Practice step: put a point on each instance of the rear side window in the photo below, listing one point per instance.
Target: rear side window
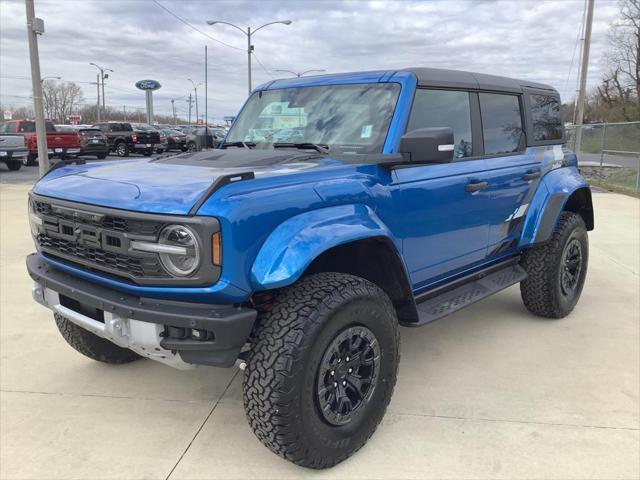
(27, 127)
(501, 123)
(444, 108)
(545, 113)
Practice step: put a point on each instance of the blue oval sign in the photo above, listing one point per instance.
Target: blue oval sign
(148, 84)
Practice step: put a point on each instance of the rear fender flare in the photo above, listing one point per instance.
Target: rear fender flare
(550, 199)
(296, 242)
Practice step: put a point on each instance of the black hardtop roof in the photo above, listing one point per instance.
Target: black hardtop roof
(438, 77)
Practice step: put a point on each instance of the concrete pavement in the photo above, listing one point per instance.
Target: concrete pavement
(490, 392)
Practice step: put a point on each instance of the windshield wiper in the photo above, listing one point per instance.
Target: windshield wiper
(239, 144)
(303, 145)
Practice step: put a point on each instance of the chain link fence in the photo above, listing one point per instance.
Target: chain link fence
(609, 155)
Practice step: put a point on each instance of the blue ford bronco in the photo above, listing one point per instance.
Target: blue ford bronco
(338, 208)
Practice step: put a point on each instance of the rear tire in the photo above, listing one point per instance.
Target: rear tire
(91, 345)
(102, 156)
(192, 147)
(305, 398)
(122, 149)
(14, 165)
(557, 270)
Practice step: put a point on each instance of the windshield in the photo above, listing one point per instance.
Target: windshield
(344, 118)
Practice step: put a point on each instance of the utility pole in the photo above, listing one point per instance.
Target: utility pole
(98, 96)
(35, 27)
(189, 108)
(206, 101)
(195, 89)
(124, 110)
(173, 110)
(583, 74)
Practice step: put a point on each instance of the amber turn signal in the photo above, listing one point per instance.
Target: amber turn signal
(216, 249)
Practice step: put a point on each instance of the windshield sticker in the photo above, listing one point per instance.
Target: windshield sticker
(366, 131)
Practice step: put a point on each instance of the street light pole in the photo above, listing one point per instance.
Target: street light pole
(248, 34)
(102, 77)
(300, 74)
(98, 96)
(35, 26)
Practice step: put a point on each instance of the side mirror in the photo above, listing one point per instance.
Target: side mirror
(428, 145)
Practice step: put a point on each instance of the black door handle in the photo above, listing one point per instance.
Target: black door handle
(531, 175)
(476, 187)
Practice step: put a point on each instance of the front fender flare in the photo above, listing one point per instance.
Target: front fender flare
(549, 201)
(296, 242)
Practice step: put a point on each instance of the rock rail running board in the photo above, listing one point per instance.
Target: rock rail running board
(451, 301)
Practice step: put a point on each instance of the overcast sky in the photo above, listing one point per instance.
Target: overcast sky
(138, 39)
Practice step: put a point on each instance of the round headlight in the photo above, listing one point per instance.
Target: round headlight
(186, 257)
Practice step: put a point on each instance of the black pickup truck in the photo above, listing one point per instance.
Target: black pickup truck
(125, 138)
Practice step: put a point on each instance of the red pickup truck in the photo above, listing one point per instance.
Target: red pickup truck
(59, 144)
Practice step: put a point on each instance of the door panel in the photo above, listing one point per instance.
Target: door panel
(443, 226)
(512, 180)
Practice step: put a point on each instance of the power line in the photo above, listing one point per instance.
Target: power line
(195, 28)
(575, 47)
(263, 67)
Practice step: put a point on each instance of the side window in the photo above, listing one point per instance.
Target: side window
(545, 112)
(27, 127)
(12, 127)
(3, 127)
(114, 127)
(501, 123)
(444, 108)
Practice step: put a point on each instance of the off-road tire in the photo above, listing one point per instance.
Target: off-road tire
(541, 291)
(288, 345)
(91, 345)
(14, 165)
(30, 160)
(192, 147)
(122, 149)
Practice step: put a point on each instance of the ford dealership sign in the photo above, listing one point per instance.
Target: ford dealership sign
(148, 84)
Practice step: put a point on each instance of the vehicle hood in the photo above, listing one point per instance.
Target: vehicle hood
(169, 185)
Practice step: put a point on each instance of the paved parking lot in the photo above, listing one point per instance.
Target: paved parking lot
(491, 392)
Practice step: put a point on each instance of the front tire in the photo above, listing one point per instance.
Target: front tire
(556, 270)
(322, 369)
(91, 345)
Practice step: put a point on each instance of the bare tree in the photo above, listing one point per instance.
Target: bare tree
(623, 81)
(61, 99)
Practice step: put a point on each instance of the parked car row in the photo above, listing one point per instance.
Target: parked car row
(19, 144)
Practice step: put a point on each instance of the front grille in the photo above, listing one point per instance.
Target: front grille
(118, 224)
(148, 267)
(99, 239)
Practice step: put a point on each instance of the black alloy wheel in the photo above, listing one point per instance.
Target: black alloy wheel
(571, 267)
(347, 374)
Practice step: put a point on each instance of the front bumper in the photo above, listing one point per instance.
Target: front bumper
(158, 329)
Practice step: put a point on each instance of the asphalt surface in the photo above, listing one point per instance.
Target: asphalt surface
(489, 392)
